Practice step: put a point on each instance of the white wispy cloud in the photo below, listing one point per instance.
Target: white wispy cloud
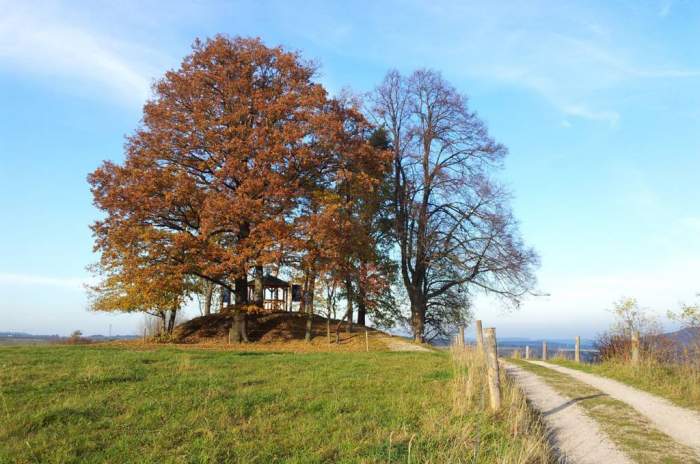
(576, 66)
(42, 41)
(579, 110)
(569, 53)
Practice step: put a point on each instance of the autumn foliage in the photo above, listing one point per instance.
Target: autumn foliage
(241, 161)
(243, 164)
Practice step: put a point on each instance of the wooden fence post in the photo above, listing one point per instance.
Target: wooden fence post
(479, 337)
(577, 353)
(544, 350)
(635, 347)
(527, 351)
(144, 334)
(491, 348)
(367, 340)
(460, 341)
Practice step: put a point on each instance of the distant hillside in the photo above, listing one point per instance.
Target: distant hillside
(684, 336)
(521, 342)
(23, 337)
(27, 336)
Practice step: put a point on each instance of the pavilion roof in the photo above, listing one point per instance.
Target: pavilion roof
(270, 281)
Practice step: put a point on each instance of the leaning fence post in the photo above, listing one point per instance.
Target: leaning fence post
(492, 368)
(479, 337)
(544, 350)
(460, 341)
(577, 353)
(527, 351)
(635, 347)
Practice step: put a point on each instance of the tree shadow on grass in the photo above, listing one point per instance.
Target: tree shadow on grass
(258, 353)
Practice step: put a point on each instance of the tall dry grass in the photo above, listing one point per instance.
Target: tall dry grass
(524, 437)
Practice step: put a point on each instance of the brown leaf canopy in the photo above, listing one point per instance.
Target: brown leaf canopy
(241, 159)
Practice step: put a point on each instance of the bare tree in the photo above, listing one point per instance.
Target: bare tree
(453, 228)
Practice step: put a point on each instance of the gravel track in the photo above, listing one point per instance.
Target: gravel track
(683, 425)
(577, 438)
(398, 344)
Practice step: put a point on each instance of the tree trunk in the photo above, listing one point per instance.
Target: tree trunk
(235, 335)
(304, 285)
(241, 286)
(309, 327)
(208, 294)
(171, 321)
(243, 326)
(418, 321)
(361, 307)
(330, 308)
(162, 326)
(259, 289)
(349, 296)
(337, 328)
(309, 298)
(242, 280)
(240, 330)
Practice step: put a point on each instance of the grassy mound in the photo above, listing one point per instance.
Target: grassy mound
(278, 330)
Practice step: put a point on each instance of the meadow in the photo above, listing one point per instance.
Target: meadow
(62, 404)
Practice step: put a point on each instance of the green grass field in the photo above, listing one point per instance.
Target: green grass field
(61, 404)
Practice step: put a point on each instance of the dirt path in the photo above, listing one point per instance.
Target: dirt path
(577, 437)
(399, 344)
(679, 423)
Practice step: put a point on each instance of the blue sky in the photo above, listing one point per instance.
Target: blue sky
(598, 102)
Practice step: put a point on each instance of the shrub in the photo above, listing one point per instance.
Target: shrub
(76, 338)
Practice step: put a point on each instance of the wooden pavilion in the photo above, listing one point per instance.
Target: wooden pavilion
(277, 293)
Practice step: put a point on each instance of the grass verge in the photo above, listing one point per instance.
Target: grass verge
(625, 427)
(525, 440)
(62, 404)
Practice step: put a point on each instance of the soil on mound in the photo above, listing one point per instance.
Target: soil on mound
(270, 328)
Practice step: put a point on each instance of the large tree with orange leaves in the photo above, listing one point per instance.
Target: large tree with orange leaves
(331, 237)
(239, 147)
(130, 285)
